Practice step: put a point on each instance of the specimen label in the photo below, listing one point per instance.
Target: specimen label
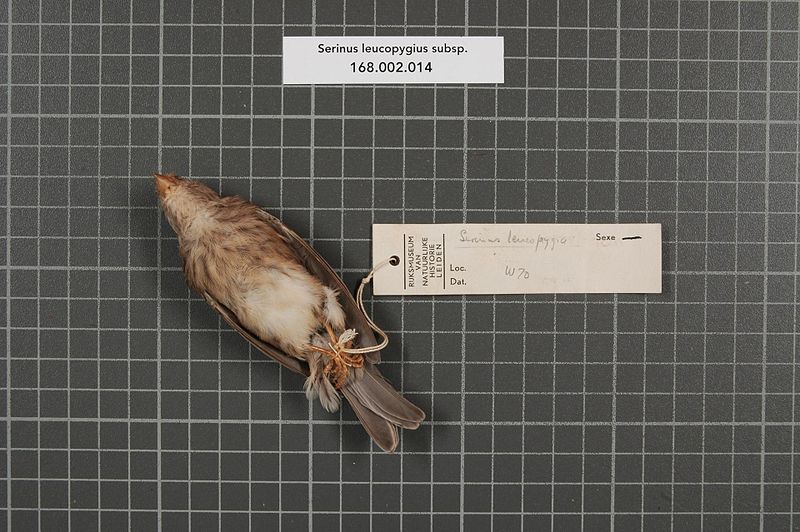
(372, 60)
(516, 258)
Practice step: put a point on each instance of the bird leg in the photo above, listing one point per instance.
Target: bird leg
(352, 360)
(338, 367)
(328, 328)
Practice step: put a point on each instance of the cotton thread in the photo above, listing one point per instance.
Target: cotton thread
(360, 302)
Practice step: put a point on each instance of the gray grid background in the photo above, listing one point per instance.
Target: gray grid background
(127, 403)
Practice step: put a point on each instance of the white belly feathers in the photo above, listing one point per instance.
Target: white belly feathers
(282, 306)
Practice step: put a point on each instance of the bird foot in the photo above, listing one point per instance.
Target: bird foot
(338, 367)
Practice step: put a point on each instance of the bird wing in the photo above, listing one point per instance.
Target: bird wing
(319, 267)
(294, 364)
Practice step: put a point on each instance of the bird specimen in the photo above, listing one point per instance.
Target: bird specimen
(283, 297)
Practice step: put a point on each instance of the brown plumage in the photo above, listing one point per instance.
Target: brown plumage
(282, 296)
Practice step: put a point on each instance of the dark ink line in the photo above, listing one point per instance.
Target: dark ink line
(631, 238)
(405, 251)
(444, 263)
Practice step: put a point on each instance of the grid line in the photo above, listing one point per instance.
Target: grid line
(555, 311)
(159, 286)
(644, 318)
(128, 275)
(765, 318)
(97, 277)
(250, 349)
(675, 342)
(615, 314)
(794, 317)
(9, 33)
(464, 203)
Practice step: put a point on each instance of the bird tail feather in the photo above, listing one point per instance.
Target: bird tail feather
(381, 408)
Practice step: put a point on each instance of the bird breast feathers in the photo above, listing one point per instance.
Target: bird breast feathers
(270, 293)
(282, 305)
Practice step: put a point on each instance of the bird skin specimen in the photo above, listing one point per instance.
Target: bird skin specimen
(273, 288)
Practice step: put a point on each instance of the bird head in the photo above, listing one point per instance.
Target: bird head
(184, 201)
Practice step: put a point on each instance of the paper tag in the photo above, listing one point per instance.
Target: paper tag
(517, 258)
(369, 60)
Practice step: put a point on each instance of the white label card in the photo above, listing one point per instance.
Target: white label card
(516, 258)
(372, 60)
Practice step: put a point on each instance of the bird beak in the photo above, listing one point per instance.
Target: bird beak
(164, 183)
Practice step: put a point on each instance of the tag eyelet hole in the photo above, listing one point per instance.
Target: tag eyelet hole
(394, 260)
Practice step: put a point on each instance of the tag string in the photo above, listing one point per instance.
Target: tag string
(360, 302)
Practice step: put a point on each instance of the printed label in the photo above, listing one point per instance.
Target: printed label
(516, 258)
(373, 60)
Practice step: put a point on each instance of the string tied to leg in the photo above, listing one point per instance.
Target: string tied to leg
(341, 352)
